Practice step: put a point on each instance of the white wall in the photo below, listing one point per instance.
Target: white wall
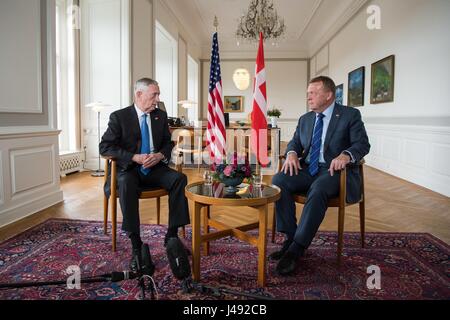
(410, 136)
(166, 68)
(286, 89)
(193, 88)
(142, 39)
(29, 155)
(187, 44)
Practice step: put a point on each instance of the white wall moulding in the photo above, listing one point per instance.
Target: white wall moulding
(20, 36)
(33, 205)
(29, 175)
(418, 154)
(24, 176)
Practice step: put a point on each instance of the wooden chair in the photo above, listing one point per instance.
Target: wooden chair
(185, 145)
(149, 193)
(337, 202)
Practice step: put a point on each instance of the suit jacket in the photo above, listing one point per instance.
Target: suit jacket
(345, 132)
(122, 139)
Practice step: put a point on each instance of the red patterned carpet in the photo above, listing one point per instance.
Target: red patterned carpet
(413, 266)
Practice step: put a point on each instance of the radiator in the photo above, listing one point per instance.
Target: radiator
(71, 161)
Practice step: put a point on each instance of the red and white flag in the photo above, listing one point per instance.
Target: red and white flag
(215, 134)
(259, 112)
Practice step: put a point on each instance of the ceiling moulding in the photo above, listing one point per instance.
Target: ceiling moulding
(193, 31)
(251, 56)
(336, 27)
(309, 19)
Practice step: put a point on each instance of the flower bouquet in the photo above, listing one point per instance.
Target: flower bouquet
(232, 171)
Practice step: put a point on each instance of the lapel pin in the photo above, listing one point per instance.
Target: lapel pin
(156, 118)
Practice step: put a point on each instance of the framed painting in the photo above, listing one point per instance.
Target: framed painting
(382, 80)
(233, 104)
(355, 93)
(340, 94)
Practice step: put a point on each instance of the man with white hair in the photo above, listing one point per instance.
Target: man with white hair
(138, 137)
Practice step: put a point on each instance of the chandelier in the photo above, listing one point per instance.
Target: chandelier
(261, 17)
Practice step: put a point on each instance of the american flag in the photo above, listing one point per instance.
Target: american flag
(259, 112)
(216, 134)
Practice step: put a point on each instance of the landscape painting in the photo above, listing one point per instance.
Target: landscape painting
(382, 81)
(340, 94)
(355, 92)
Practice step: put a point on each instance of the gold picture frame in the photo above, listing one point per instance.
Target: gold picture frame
(382, 80)
(233, 104)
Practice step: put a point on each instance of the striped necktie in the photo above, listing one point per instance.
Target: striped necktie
(145, 141)
(315, 146)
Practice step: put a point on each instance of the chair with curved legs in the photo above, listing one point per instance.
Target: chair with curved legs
(149, 193)
(336, 202)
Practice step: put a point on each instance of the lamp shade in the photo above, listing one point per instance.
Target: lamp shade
(98, 106)
(241, 78)
(187, 103)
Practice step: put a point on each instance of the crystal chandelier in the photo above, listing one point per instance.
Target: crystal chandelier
(261, 17)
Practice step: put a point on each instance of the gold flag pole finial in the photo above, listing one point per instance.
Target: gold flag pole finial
(216, 22)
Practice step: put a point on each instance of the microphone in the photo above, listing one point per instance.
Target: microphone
(178, 259)
(148, 268)
(117, 276)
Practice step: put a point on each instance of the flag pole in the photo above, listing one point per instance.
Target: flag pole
(216, 22)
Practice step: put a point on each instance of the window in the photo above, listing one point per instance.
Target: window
(65, 75)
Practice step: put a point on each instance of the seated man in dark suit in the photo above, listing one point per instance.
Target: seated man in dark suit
(138, 137)
(325, 141)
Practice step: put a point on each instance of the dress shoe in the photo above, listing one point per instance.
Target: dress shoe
(278, 254)
(287, 263)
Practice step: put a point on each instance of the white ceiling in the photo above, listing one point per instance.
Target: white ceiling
(309, 24)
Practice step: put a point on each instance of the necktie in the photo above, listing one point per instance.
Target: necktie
(315, 146)
(145, 141)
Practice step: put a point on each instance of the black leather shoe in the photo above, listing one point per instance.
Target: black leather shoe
(278, 254)
(287, 263)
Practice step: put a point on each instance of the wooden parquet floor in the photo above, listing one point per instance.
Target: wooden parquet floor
(392, 205)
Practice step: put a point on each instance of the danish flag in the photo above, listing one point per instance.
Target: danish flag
(259, 112)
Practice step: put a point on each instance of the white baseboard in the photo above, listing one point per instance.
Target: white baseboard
(418, 154)
(28, 208)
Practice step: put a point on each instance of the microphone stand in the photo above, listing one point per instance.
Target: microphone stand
(109, 277)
